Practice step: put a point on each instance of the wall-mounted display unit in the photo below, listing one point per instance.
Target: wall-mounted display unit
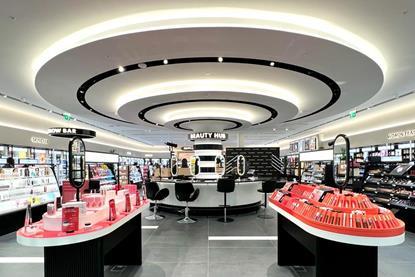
(22, 185)
(304, 145)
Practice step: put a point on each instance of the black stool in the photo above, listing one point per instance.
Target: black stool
(186, 192)
(226, 186)
(156, 194)
(267, 187)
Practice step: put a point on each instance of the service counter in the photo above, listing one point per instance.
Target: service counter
(245, 198)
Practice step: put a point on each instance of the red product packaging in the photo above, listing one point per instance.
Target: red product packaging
(112, 211)
(127, 202)
(137, 199)
(70, 219)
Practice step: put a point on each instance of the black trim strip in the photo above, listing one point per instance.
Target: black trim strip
(207, 169)
(178, 124)
(142, 113)
(207, 158)
(335, 89)
(208, 147)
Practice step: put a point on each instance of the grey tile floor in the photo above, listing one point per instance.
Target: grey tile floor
(184, 250)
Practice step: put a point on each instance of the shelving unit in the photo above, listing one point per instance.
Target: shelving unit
(20, 186)
(394, 190)
(313, 172)
(123, 173)
(103, 173)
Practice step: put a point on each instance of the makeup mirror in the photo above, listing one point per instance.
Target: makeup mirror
(174, 168)
(341, 165)
(220, 165)
(77, 164)
(194, 165)
(240, 165)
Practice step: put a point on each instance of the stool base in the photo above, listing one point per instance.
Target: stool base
(228, 219)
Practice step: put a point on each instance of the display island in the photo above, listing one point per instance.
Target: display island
(338, 232)
(82, 237)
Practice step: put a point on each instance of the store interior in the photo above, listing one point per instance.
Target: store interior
(218, 138)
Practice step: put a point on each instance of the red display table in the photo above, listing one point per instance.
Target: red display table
(86, 251)
(339, 233)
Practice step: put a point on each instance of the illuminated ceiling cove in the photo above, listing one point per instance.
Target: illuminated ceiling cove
(152, 72)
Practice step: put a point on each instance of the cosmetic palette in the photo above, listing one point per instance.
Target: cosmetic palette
(344, 212)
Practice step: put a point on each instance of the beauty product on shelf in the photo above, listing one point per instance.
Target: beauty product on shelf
(28, 216)
(127, 203)
(112, 211)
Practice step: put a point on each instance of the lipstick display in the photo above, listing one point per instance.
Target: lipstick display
(344, 212)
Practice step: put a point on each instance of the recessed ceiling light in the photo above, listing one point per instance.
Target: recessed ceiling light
(81, 91)
(286, 129)
(271, 63)
(50, 111)
(274, 129)
(142, 65)
(5, 96)
(220, 59)
(165, 61)
(121, 69)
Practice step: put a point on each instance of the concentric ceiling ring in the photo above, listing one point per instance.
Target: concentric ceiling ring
(273, 112)
(335, 89)
(236, 126)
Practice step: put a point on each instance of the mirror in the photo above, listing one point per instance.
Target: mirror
(77, 164)
(220, 165)
(174, 166)
(341, 165)
(194, 165)
(240, 165)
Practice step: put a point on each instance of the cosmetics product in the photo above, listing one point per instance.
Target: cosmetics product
(112, 211)
(70, 219)
(127, 202)
(137, 199)
(28, 216)
(144, 192)
(50, 209)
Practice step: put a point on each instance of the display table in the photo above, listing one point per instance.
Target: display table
(86, 251)
(335, 248)
(245, 197)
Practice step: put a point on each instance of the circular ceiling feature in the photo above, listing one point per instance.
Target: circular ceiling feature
(187, 124)
(83, 89)
(218, 110)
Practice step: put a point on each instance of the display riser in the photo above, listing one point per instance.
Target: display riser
(13, 221)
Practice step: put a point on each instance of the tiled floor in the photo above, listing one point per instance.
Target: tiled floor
(184, 250)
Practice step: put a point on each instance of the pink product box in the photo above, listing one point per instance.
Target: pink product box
(132, 189)
(93, 200)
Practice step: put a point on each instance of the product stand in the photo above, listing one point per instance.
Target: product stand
(87, 259)
(331, 258)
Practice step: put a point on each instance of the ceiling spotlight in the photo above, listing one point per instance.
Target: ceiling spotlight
(165, 61)
(271, 63)
(50, 111)
(121, 69)
(142, 65)
(81, 91)
(274, 129)
(220, 59)
(286, 129)
(5, 96)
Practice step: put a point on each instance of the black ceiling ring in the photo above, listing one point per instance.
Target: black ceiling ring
(335, 89)
(237, 124)
(274, 113)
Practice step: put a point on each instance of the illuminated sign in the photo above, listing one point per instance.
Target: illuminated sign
(71, 132)
(39, 140)
(208, 135)
(401, 134)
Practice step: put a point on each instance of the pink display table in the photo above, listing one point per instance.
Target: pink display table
(86, 251)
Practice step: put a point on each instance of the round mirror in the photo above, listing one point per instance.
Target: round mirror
(174, 166)
(194, 165)
(341, 147)
(220, 165)
(77, 164)
(240, 165)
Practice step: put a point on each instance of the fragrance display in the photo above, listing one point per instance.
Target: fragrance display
(22, 185)
(102, 173)
(329, 209)
(135, 174)
(292, 165)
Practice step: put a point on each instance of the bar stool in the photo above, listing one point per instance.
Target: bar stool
(267, 187)
(156, 194)
(186, 192)
(225, 186)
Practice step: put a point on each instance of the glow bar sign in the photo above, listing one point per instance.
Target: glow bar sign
(208, 135)
(401, 134)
